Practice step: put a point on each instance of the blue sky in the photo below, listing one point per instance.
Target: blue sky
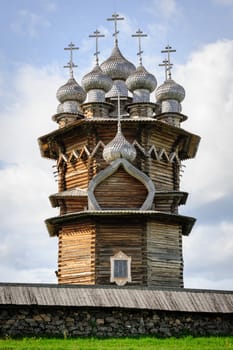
(33, 35)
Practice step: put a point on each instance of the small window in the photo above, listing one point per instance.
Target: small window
(120, 268)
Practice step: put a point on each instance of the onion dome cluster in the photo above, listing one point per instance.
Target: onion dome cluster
(96, 84)
(141, 84)
(118, 68)
(119, 147)
(70, 96)
(170, 95)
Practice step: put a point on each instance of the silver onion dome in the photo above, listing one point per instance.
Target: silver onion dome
(119, 147)
(96, 79)
(117, 66)
(71, 91)
(141, 79)
(170, 90)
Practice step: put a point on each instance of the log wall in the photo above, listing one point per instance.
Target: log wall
(73, 205)
(120, 191)
(164, 205)
(76, 259)
(123, 235)
(164, 255)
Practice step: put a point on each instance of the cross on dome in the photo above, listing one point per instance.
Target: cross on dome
(168, 67)
(115, 17)
(96, 35)
(139, 34)
(71, 64)
(168, 49)
(118, 113)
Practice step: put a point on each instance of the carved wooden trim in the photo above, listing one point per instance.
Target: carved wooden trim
(131, 170)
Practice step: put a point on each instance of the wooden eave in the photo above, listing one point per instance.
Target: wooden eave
(180, 196)
(128, 297)
(69, 194)
(190, 142)
(54, 224)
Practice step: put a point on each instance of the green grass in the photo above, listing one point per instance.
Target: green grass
(148, 343)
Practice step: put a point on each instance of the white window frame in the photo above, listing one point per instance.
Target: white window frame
(120, 281)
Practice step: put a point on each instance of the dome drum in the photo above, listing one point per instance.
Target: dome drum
(171, 106)
(97, 109)
(70, 107)
(64, 119)
(142, 110)
(173, 119)
(119, 88)
(141, 95)
(60, 108)
(125, 101)
(96, 95)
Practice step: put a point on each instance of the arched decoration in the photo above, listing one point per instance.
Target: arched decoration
(111, 169)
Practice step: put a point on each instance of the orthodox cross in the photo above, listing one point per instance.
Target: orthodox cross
(71, 64)
(139, 34)
(96, 35)
(168, 67)
(118, 99)
(168, 50)
(115, 17)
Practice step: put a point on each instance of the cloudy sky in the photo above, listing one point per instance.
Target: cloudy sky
(33, 35)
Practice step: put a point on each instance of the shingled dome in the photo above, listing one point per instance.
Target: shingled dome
(119, 147)
(96, 79)
(170, 90)
(141, 79)
(71, 91)
(117, 66)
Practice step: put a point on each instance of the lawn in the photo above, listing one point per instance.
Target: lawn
(149, 343)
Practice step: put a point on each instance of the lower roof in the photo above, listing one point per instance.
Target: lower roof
(182, 300)
(55, 223)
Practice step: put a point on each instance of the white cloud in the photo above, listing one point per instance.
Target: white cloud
(208, 80)
(208, 253)
(27, 253)
(27, 275)
(29, 23)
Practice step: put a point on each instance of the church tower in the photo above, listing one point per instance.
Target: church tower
(118, 159)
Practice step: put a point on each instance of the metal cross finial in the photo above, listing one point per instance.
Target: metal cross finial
(168, 50)
(118, 113)
(168, 67)
(139, 34)
(96, 35)
(71, 64)
(115, 17)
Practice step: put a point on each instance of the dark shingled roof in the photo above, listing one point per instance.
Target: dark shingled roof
(186, 300)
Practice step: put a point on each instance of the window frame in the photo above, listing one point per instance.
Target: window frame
(120, 281)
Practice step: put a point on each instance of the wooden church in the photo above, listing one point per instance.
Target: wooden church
(118, 157)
